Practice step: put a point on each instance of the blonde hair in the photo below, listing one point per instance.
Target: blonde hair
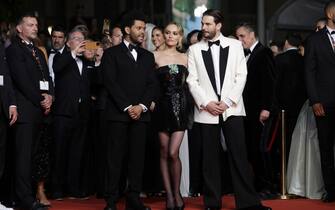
(180, 31)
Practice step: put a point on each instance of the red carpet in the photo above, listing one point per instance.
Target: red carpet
(195, 204)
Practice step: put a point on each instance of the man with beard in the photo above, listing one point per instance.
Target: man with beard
(217, 74)
(33, 88)
(320, 83)
(128, 73)
(58, 41)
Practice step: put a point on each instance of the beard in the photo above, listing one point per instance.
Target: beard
(208, 34)
(136, 39)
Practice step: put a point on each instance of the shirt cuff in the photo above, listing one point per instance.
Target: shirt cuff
(126, 109)
(145, 109)
(12, 106)
(228, 102)
(203, 105)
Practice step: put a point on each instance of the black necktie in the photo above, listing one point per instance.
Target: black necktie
(217, 42)
(132, 47)
(247, 52)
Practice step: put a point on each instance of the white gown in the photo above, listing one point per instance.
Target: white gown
(304, 176)
(185, 173)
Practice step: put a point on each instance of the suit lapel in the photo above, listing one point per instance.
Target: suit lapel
(207, 57)
(27, 51)
(127, 52)
(253, 53)
(223, 63)
(327, 42)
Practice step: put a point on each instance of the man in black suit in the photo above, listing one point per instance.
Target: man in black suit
(58, 40)
(257, 95)
(290, 84)
(8, 108)
(320, 83)
(71, 114)
(128, 76)
(33, 90)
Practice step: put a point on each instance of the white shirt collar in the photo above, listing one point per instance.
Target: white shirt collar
(253, 46)
(61, 50)
(126, 43)
(330, 29)
(291, 48)
(27, 42)
(218, 38)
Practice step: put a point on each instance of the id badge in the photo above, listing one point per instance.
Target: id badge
(44, 85)
(1, 80)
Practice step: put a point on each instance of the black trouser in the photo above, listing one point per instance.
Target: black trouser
(26, 141)
(233, 131)
(125, 141)
(152, 178)
(70, 136)
(195, 158)
(100, 153)
(326, 135)
(3, 139)
(254, 129)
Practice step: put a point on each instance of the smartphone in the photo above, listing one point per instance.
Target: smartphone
(91, 45)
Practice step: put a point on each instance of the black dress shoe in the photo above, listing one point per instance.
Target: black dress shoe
(134, 203)
(212, 208)
(38, 206)
(79, 196)
(328, 198)
(58, 196)
(110, 208)
(257, 207)
(138, 208)
(180, 207)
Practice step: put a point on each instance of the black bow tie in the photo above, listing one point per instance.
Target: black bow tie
(333, 32)
(132, 47)
(247, 52)
(217, 42)
(52, 51)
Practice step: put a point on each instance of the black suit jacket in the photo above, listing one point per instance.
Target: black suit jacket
(259, 89)
(320, 69)
(26, 75)
(128, 82)
(7, 95)
(70, 86)
(290, 83)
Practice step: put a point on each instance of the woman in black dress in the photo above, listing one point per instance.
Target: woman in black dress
(172, 110)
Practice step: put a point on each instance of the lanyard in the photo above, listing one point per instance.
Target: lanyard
(37, 59)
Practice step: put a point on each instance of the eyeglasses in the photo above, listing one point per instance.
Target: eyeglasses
(79, 39)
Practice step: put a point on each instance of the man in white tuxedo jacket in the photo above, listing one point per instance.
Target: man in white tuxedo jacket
(217, 75)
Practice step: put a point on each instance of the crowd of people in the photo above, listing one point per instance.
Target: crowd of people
(95, 117)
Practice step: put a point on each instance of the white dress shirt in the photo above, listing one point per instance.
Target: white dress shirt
(215, 50)
(133, 52)
(251, 49)
(331, 36)
(50, 63)
(79, 62)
